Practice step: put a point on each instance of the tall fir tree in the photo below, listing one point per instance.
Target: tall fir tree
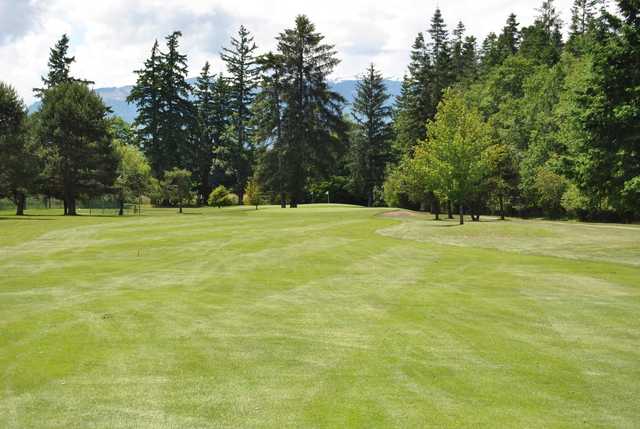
(268, 124)
(202, 140)
(59, 67)
(414, 105)
(177, 110)
(312, 117)
(370, 148)
(542, 41)
(243, 78)
(509, 39)
(146, 95)
(165, 113)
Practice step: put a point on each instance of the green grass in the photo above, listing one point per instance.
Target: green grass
(324, 316)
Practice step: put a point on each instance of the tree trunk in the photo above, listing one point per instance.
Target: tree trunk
(66, 211)
(435, 207)
(449, 210)
(121, 211)
(461, 214)
(501, 207)
(71, 206)
(21, 203)
(370, 198)
(180, 205)
(283, 201)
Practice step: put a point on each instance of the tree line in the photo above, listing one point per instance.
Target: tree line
(523, 123)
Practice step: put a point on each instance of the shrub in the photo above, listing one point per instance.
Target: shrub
(220, 197)
(574, 202)
(549, 187)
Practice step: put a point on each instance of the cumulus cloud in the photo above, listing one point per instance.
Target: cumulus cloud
(111, 39)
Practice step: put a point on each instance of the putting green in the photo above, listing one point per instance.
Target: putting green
(322, 316)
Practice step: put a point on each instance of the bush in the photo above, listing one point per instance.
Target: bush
(575, 204)
(220, 197)
(549, 187)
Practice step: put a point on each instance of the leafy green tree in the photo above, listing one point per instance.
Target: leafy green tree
(243, 77)
(19, 160)
(550, 187)
(74, 130)
(133, 173)
(453, 157)
(253, 193)
(177, 185)
(370, 148)
(59, 67)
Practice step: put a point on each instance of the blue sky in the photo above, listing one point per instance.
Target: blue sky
(111, 38)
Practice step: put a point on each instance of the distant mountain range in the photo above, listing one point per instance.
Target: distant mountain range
(116, 97)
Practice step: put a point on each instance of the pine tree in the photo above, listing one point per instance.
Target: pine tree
(509, 39)
(371, 149)
(165, 112)
(583, 22)
(312, 118)
(243, 81)
(268, 124)
(542, 42)
(146, 95)
(59, 67)
(414, 105)
(202, 141)
(176, 108)
(457, 54)
(491, 55)
(443, 75)
(74, 129)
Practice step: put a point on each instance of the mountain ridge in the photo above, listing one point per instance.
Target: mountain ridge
(116, 96)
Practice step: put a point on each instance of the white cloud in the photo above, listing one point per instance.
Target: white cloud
(112, 38)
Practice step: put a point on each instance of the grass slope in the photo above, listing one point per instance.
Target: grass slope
(317, 317)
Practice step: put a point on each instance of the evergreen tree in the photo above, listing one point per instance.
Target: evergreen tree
(74, 129)
(268, 124)
(370, 150)
(165, 112)
(59, 67)
(583, 21)
(509, 39)
(243, 81)
(458, 59)
(146, 95)
(414, 105)
(204, 131)
(443, 72)
(608, 162)
(177, 110)
(542, 42)
(312, 117)
(491, 55)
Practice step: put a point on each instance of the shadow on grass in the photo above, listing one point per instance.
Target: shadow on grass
(27, 217)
